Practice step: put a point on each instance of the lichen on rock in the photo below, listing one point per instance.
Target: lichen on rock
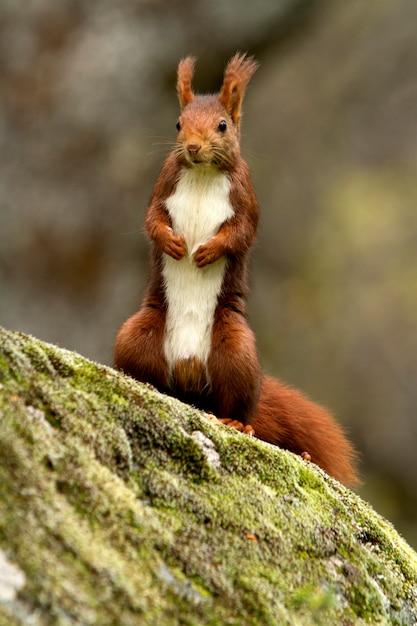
(119, 505)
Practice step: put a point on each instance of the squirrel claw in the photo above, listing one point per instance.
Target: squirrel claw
(246, 430)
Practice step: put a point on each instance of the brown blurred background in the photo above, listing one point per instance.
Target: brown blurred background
(87, 111)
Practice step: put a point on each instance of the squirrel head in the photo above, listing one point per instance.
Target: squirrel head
(209, 126)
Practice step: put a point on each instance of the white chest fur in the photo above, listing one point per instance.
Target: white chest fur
(198, 207)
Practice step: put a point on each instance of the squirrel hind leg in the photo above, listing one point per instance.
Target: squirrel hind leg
(286, 418)
(138, 350)
(233, 368)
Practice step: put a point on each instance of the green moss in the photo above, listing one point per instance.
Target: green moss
(118, 512)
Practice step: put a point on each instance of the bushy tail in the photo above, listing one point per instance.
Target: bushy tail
(286, 418)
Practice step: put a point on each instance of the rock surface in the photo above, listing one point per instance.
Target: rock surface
(121, 506)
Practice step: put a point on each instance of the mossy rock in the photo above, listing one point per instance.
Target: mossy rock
(119, 505)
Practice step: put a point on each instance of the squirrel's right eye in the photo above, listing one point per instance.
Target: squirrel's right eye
(178, 126)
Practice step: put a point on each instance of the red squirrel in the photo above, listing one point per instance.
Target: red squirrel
(191, 338)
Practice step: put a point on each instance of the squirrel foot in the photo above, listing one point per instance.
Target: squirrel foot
(246, 430)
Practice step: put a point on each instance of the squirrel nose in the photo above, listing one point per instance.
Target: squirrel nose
(193, 148)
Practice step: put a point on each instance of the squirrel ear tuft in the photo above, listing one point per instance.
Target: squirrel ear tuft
(237, 74)
(184, 77)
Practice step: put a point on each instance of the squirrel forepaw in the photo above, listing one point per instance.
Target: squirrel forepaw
(174, 245)
(208, 253)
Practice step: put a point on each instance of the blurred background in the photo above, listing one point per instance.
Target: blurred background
(87, 113)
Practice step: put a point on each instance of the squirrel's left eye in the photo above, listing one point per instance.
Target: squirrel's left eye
(222, 126)
(178, 126)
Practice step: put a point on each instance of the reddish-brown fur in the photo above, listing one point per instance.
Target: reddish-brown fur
(231, 384)
(288, 419)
